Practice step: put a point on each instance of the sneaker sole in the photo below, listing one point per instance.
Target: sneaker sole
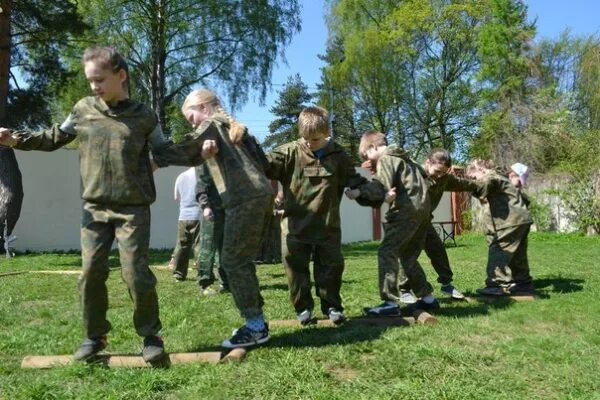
(368, 313)
(228, 345)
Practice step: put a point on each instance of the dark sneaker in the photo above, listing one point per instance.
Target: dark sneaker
(451, 291)
(246, 337)
(89, 348)
(305, 317)
(154, 349)
(491, 291)
(336, 316)
(521, 289)
(383, 310)
(421, 305)
(407, 297)
(223, 289)
(178, 277)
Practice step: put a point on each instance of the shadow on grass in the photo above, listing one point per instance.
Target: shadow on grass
(559, 284)
(475, 308)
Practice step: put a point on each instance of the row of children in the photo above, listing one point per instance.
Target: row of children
(115, 134)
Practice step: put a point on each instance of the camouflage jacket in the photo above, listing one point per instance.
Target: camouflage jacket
(450, 183)
(506, 207)
(237, 169)
(114, 149)
(312, 187)
(396, 169)
(206, 191)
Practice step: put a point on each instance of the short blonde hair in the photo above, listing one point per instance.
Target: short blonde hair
(479, 165)
(371, 138)
(207, 97)
(313, 121)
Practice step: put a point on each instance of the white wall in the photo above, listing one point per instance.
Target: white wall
(51, 213)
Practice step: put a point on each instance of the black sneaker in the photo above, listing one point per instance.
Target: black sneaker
(336, 316)
(383, 310)
(246, 337)
(89, 348)
(154, 349)
(526, 289)
(421, 305)
(178, 277)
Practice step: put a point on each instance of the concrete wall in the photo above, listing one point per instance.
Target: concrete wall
(51, 213)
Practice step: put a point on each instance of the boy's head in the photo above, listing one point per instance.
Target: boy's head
(372, 144)
(438, 163)
(313, 127)
(478, 168)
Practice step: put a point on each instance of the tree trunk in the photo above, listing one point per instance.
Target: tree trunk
(11, 184)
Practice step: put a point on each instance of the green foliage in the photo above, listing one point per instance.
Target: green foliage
(541, 214)
(40, 31)
(293, 98)
(582, 198)
(474, 346)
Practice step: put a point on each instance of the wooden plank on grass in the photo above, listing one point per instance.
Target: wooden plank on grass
(13, 273)
(116, 361)
(58, 272)
(489, 299)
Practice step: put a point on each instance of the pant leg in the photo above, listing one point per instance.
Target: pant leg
(97, 235)
(296, 256)
(503, 245)
(328, 270)
(133, 237)
(395, 237)
(219, 226)
(436, 251)
(187, 232)
(243, 233)
(519, 264)
(409, 256)
(207, 253)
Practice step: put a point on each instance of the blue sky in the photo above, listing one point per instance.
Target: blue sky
(553, 16)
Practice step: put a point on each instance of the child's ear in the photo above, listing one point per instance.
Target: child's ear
(122, 75)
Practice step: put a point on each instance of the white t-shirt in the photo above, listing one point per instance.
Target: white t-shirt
(185, 193)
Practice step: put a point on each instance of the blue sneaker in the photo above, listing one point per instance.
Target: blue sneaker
(385, 309)
(246, 337)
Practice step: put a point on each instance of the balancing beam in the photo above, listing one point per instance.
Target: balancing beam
(116, 361)
(419, 317)
(490, 299)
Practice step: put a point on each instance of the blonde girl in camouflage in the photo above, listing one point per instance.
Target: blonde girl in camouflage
(238, 173)
(507, 222)
(115, 134)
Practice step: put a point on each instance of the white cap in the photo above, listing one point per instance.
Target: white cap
(522, 171)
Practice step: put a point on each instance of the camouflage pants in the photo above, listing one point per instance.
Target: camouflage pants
(436, 251)
(131, 227)
(402, 243)
(187, 240)
(507, 257)
(242, 236)
(209, 250)
(270, 253)
(328, 269)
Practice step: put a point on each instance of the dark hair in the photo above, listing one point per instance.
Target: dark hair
(440, 156)
(108, 58)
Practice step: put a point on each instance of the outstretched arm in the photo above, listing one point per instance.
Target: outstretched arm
(46, 140)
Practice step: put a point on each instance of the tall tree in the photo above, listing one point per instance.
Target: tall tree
(173, 45)
(31, 34)
(293, 97)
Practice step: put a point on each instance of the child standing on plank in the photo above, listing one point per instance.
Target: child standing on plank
(313, 171)
(115, 134)
(507, 222)
(238, 173)
(188, 224)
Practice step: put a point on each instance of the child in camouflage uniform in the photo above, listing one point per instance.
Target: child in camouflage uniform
(507, 226)
(115, 134)
(238, 173)
(211, 233)
(313, 171)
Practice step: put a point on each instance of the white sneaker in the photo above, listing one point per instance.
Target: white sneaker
(336, 316)
(407, 297)
(305, 317)
(451, 291)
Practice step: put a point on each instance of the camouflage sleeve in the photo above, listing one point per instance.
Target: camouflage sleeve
(352, 178)
(372, 194)
(47, 140)
(526, 199)
(186, 153)
(486, 187)
(277, 163)
(455, 184)
(203, 181)
(256, 152)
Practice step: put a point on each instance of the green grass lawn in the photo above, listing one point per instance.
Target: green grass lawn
(545, 349)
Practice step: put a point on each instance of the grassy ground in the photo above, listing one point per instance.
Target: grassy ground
(546, 349)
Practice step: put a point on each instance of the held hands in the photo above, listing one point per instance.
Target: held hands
(6, 138)
(209, 148)
(370, 165)
(208, 214)
(352, 194)
(390, 196)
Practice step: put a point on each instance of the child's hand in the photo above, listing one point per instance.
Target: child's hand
(209, 148)
(6, 138)
(352, 194)
(208, 214)
(390, 196)
(370, 165)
